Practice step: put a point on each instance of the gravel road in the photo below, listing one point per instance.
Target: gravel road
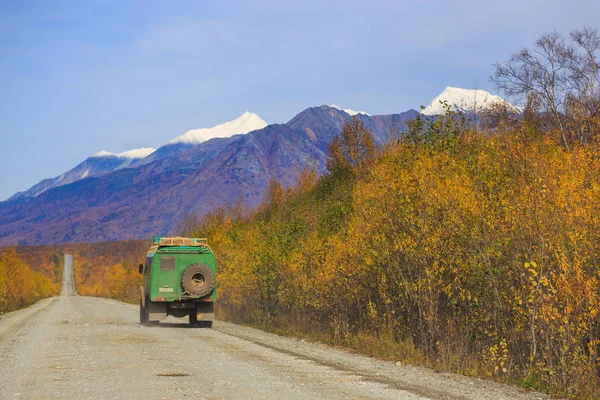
(73, 347)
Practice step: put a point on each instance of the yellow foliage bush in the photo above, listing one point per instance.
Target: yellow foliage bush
(478, 250)
(19, 285)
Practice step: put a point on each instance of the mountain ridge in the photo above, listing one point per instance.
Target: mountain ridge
(457, 98)
(95, 165)
(104, 162)
(153, 198)
(245, 123)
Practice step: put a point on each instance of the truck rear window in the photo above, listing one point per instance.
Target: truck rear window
(167, 263)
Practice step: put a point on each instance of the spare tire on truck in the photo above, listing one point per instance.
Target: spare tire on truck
(198, 280)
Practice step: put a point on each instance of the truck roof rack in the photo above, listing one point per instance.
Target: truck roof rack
(180, 241)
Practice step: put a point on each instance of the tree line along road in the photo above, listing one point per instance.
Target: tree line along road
(74, 347)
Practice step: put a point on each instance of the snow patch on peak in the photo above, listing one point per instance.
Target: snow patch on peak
(468, 100)
(131, 154)
(349, 111)
(103, 153)
(247, 122)
(137, 153)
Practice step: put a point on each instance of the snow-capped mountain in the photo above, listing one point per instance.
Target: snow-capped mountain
(466, 100)
(153, 198)
(99, 164)
(245, 123)
(349, 110)
(104, 162)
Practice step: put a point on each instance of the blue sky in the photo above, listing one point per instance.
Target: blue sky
(80, 76)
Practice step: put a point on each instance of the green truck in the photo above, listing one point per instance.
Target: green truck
(179, 280)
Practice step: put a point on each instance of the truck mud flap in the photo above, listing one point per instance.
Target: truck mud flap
(157, 312)
(205, 311)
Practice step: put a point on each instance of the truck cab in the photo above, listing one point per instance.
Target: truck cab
(179, 280)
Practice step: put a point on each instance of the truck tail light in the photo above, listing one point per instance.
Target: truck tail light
(160, 299)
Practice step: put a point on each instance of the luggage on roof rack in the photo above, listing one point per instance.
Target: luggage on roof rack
(180, 241)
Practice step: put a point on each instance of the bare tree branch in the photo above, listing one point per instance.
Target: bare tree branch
(563, 76)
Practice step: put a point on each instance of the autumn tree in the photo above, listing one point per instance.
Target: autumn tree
(562, 77)
(438, 132)
(352, 151)
(306, 181)
(273, 197)
(19, 285)
(188, 224)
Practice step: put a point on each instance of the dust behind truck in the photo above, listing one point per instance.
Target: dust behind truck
(179, 280)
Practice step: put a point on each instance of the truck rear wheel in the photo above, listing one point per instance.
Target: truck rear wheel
(205, 324)
(143, 315)
(199, 324)
(198, 279)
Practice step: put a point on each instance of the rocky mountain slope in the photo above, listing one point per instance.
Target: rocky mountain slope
(152, 198)
(104, 162)
(247, 122)
(99, 164)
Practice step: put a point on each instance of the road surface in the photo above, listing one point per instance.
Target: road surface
(73, 347)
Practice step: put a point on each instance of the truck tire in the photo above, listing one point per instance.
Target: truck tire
(199, 324)
(205, 324)
(143, 315)
(198, 279)
(193, 319)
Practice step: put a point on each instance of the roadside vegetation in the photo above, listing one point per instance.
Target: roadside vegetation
(107, 269)
(467, 247)
(21, 286)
